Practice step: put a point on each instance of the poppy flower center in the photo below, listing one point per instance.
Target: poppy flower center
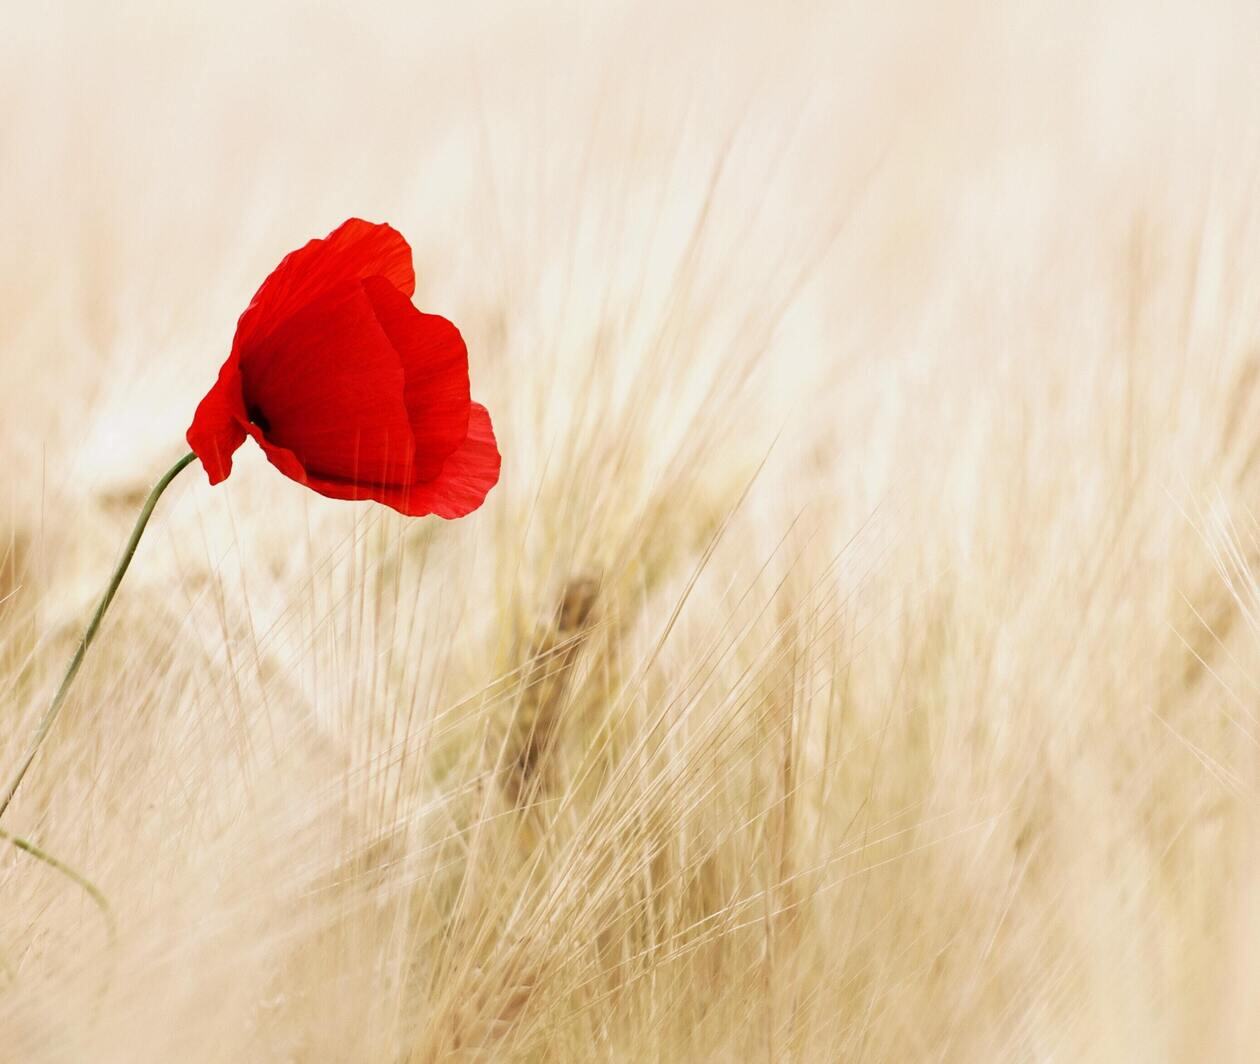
(257, 417)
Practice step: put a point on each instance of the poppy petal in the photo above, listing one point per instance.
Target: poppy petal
(328, 388)
(466, 478)
(353, 251)
(282, 458)
(462, 487)
(216, 431)
(435, 363)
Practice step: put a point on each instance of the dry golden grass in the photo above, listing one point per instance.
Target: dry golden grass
(858, 660)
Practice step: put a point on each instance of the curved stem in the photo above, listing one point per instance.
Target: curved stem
(91, 889)
(129, 551)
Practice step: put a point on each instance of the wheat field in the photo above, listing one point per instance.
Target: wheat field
(858, 659)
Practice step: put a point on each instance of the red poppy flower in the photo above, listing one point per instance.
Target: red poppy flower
(347, 387)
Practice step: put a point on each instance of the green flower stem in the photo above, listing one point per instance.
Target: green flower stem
(50, 715)
(89, 888)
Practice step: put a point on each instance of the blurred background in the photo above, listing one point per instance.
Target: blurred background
(858, 658)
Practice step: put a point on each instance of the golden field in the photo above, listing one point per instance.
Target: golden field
(858, 660)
